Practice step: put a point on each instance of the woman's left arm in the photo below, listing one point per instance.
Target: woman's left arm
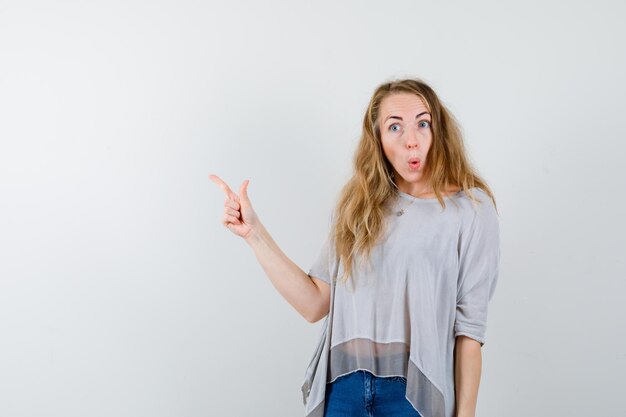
(479, 266)
(467, 367)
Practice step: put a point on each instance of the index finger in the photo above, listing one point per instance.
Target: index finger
(223, 186)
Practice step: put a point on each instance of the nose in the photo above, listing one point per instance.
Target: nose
(411, 139)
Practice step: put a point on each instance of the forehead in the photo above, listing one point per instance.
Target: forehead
(402, 103)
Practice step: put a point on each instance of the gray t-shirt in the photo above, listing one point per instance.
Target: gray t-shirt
(432, 276)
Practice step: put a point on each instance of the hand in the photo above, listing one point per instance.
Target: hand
(239, 216)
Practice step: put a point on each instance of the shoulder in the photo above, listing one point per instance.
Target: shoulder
(477, 207)
(475, 197)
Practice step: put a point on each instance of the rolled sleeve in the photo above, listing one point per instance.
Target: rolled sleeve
(479, 266)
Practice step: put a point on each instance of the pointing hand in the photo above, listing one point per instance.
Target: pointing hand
(239, 216)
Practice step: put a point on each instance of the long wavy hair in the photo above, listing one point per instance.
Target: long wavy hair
(361, 209)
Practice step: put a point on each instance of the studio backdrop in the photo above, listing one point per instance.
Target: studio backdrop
(121, 292)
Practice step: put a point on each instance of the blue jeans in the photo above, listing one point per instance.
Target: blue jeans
(363, 394)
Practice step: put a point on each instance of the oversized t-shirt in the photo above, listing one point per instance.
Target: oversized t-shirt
(431, 277)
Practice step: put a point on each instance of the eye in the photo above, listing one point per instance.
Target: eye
(424, 123)
(391, 127)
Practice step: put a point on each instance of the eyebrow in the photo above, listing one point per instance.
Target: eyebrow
(400, 118)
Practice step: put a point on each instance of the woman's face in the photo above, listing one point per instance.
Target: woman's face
(406, 136)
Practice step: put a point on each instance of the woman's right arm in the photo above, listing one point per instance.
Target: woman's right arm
(308, 295)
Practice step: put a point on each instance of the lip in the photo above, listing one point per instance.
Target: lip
(414, 167)
(414, 159)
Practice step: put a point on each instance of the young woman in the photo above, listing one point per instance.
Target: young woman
(406, 273)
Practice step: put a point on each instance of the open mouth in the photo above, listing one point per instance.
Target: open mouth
(414, 162)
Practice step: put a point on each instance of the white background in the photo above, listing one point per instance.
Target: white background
(121, 293)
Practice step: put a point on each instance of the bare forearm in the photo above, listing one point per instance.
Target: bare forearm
(467, 369)
(287, 277)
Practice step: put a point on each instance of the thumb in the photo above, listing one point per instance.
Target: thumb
(243, 191)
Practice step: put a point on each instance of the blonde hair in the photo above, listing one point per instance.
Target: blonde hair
(359, 215)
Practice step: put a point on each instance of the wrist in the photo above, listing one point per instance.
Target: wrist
(256, 235)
